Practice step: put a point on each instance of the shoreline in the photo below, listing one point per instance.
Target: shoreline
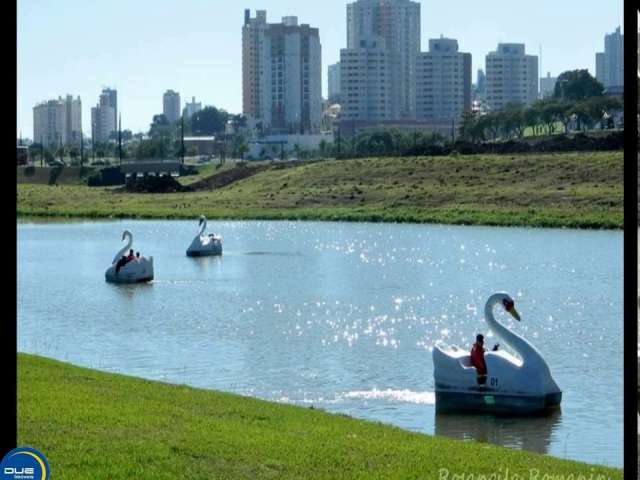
(61, 218)
(179, 427)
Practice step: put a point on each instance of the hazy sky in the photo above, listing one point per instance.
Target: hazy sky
(145, 47)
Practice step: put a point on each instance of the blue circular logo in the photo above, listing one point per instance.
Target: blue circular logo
(24, 463)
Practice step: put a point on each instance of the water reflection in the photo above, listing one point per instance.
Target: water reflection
(128, 291)
(203, 264)
(534, 434)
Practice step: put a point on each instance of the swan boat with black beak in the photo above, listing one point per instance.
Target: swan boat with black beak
(520, 385)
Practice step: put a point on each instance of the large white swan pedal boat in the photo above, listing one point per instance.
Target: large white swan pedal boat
(204, 245)
(139, 270)
(514, 386)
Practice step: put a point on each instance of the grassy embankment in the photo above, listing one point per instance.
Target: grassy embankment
(582, 190)
(95, 425)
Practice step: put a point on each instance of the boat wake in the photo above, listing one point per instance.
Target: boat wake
(404, 396)
(388, 395)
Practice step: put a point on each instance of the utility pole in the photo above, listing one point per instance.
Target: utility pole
(182, 139)
(41, 153)
(339, 141)
(81, 148)
(120, 138)
(453, 130)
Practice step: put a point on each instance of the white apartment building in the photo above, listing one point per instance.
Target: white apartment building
(57, 122)
(610, 63)
(365, 81)
(334, 83)
(191, 108)
(171, 105)
(512, 76)
(281, 75)
(547, 85)
(397, 23)
(443, 81)
(103, 118)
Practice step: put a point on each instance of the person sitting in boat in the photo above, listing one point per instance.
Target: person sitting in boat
(138, 256)
(131, 256)
(477, 358)
(121, 263)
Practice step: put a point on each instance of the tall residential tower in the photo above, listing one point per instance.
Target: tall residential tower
(610, 63)
(58, 122)
(171, 105)
(443, 81)
(281, 74)
(512, 76)
(396, 26)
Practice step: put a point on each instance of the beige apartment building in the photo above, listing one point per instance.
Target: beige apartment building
(443, 81)
(281, 75)
(58, 122)
(512, 76)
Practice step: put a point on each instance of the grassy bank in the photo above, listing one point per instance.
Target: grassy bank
(95, 425)
(581, 190)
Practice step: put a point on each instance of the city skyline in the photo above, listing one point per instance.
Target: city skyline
(200, 55)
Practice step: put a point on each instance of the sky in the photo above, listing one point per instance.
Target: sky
(146, 47)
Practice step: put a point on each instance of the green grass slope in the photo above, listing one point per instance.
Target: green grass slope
(93, 425)
(582, 190)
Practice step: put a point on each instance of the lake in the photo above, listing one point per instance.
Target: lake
(341, 316)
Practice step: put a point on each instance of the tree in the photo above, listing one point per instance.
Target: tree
(61, 152)
(323, 147)
(512, 120)
(597, 107)
(532, 117)
(577, 85)
(467, 126)
(160, 127)
(208, 121)
(242, 149)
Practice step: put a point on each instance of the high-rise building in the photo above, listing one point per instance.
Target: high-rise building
(281, 74)
(481, 85)
(397, 24)
(600, 67)
(171, 105)
(334, 83)
(73, 120)
(58, 122)
(191, 108)
(111, 95)
(104, 117)
(512, 76)
(547, 85)
(365, 77)
(610, 63)
(443, 83)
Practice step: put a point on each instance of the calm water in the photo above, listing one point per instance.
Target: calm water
(339, 316)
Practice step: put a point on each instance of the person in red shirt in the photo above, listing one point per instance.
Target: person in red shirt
(131, 256)
(477, 359)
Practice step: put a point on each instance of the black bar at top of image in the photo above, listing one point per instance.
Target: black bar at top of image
(631, 224)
